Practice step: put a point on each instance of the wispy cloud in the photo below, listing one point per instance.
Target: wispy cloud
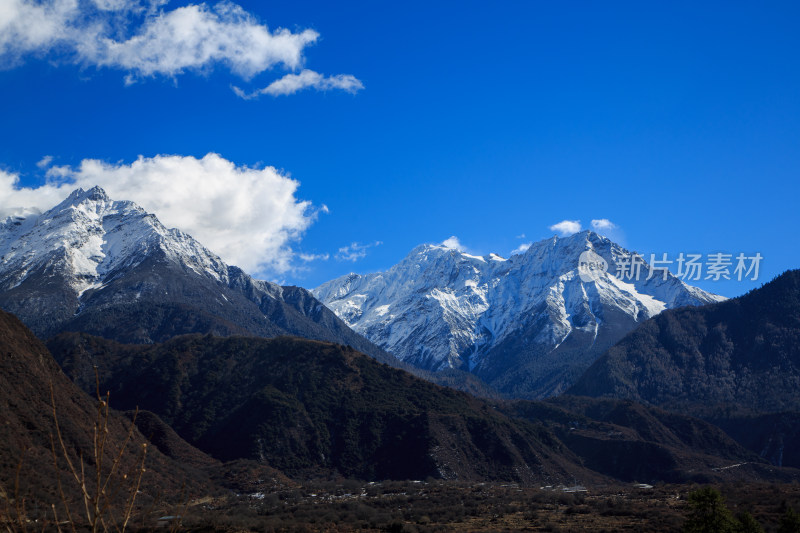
(143, 39)
(567, 227)
(249, 216)
(292, 83)
(521, 249)
(354, 251)
(454, 243)
(307, 258)
(610, 230)
(601, 224)
(45, 162)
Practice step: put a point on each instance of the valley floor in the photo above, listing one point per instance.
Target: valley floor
(416, 506)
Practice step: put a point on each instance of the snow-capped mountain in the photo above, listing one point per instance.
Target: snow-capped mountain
(528, 325)
(88, 238)
(108, 267)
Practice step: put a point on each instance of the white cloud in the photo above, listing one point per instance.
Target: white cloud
(521, 249)
(241, 94)
(313, 257)
(354, 251)
(249, 216)
(22, 201)
(567, 227)
(608, 229)
(601, 224)
(454, 243)
(117, 5)
(45, 162)
(196, 37)
(27, 26)
(143, 39)
(292, 83)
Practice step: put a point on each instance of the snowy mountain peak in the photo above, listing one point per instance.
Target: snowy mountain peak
(94, 200)
(441, 308)
(95, 194)
(88, 236)
(107, 267)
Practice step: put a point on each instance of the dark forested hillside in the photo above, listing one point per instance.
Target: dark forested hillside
(308, 407)
(313, 408)
(744, 352)
(27, 372)
(630, 441)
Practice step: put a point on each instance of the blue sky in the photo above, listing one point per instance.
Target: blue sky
(679, 122)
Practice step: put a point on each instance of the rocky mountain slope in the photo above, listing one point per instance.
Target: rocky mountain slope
(743, 352)
(630, 441)
(310, 408)
(735, 364)
(110, 268)
(27, 373)
(528, 325)
(313, 408)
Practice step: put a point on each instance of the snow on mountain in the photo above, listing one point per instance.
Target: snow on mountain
(88, 237)
(109, 268)
(442, 308)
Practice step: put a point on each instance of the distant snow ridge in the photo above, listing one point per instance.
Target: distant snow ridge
(529, 318)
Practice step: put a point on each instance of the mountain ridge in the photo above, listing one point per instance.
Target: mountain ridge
(742, 352)
(527, 325)
(312, 408)
(309, 408)
(108, 267)
(735, 364)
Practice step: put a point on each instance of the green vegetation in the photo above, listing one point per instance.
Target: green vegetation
(709, 513)
(748, 524)
(790, 522)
